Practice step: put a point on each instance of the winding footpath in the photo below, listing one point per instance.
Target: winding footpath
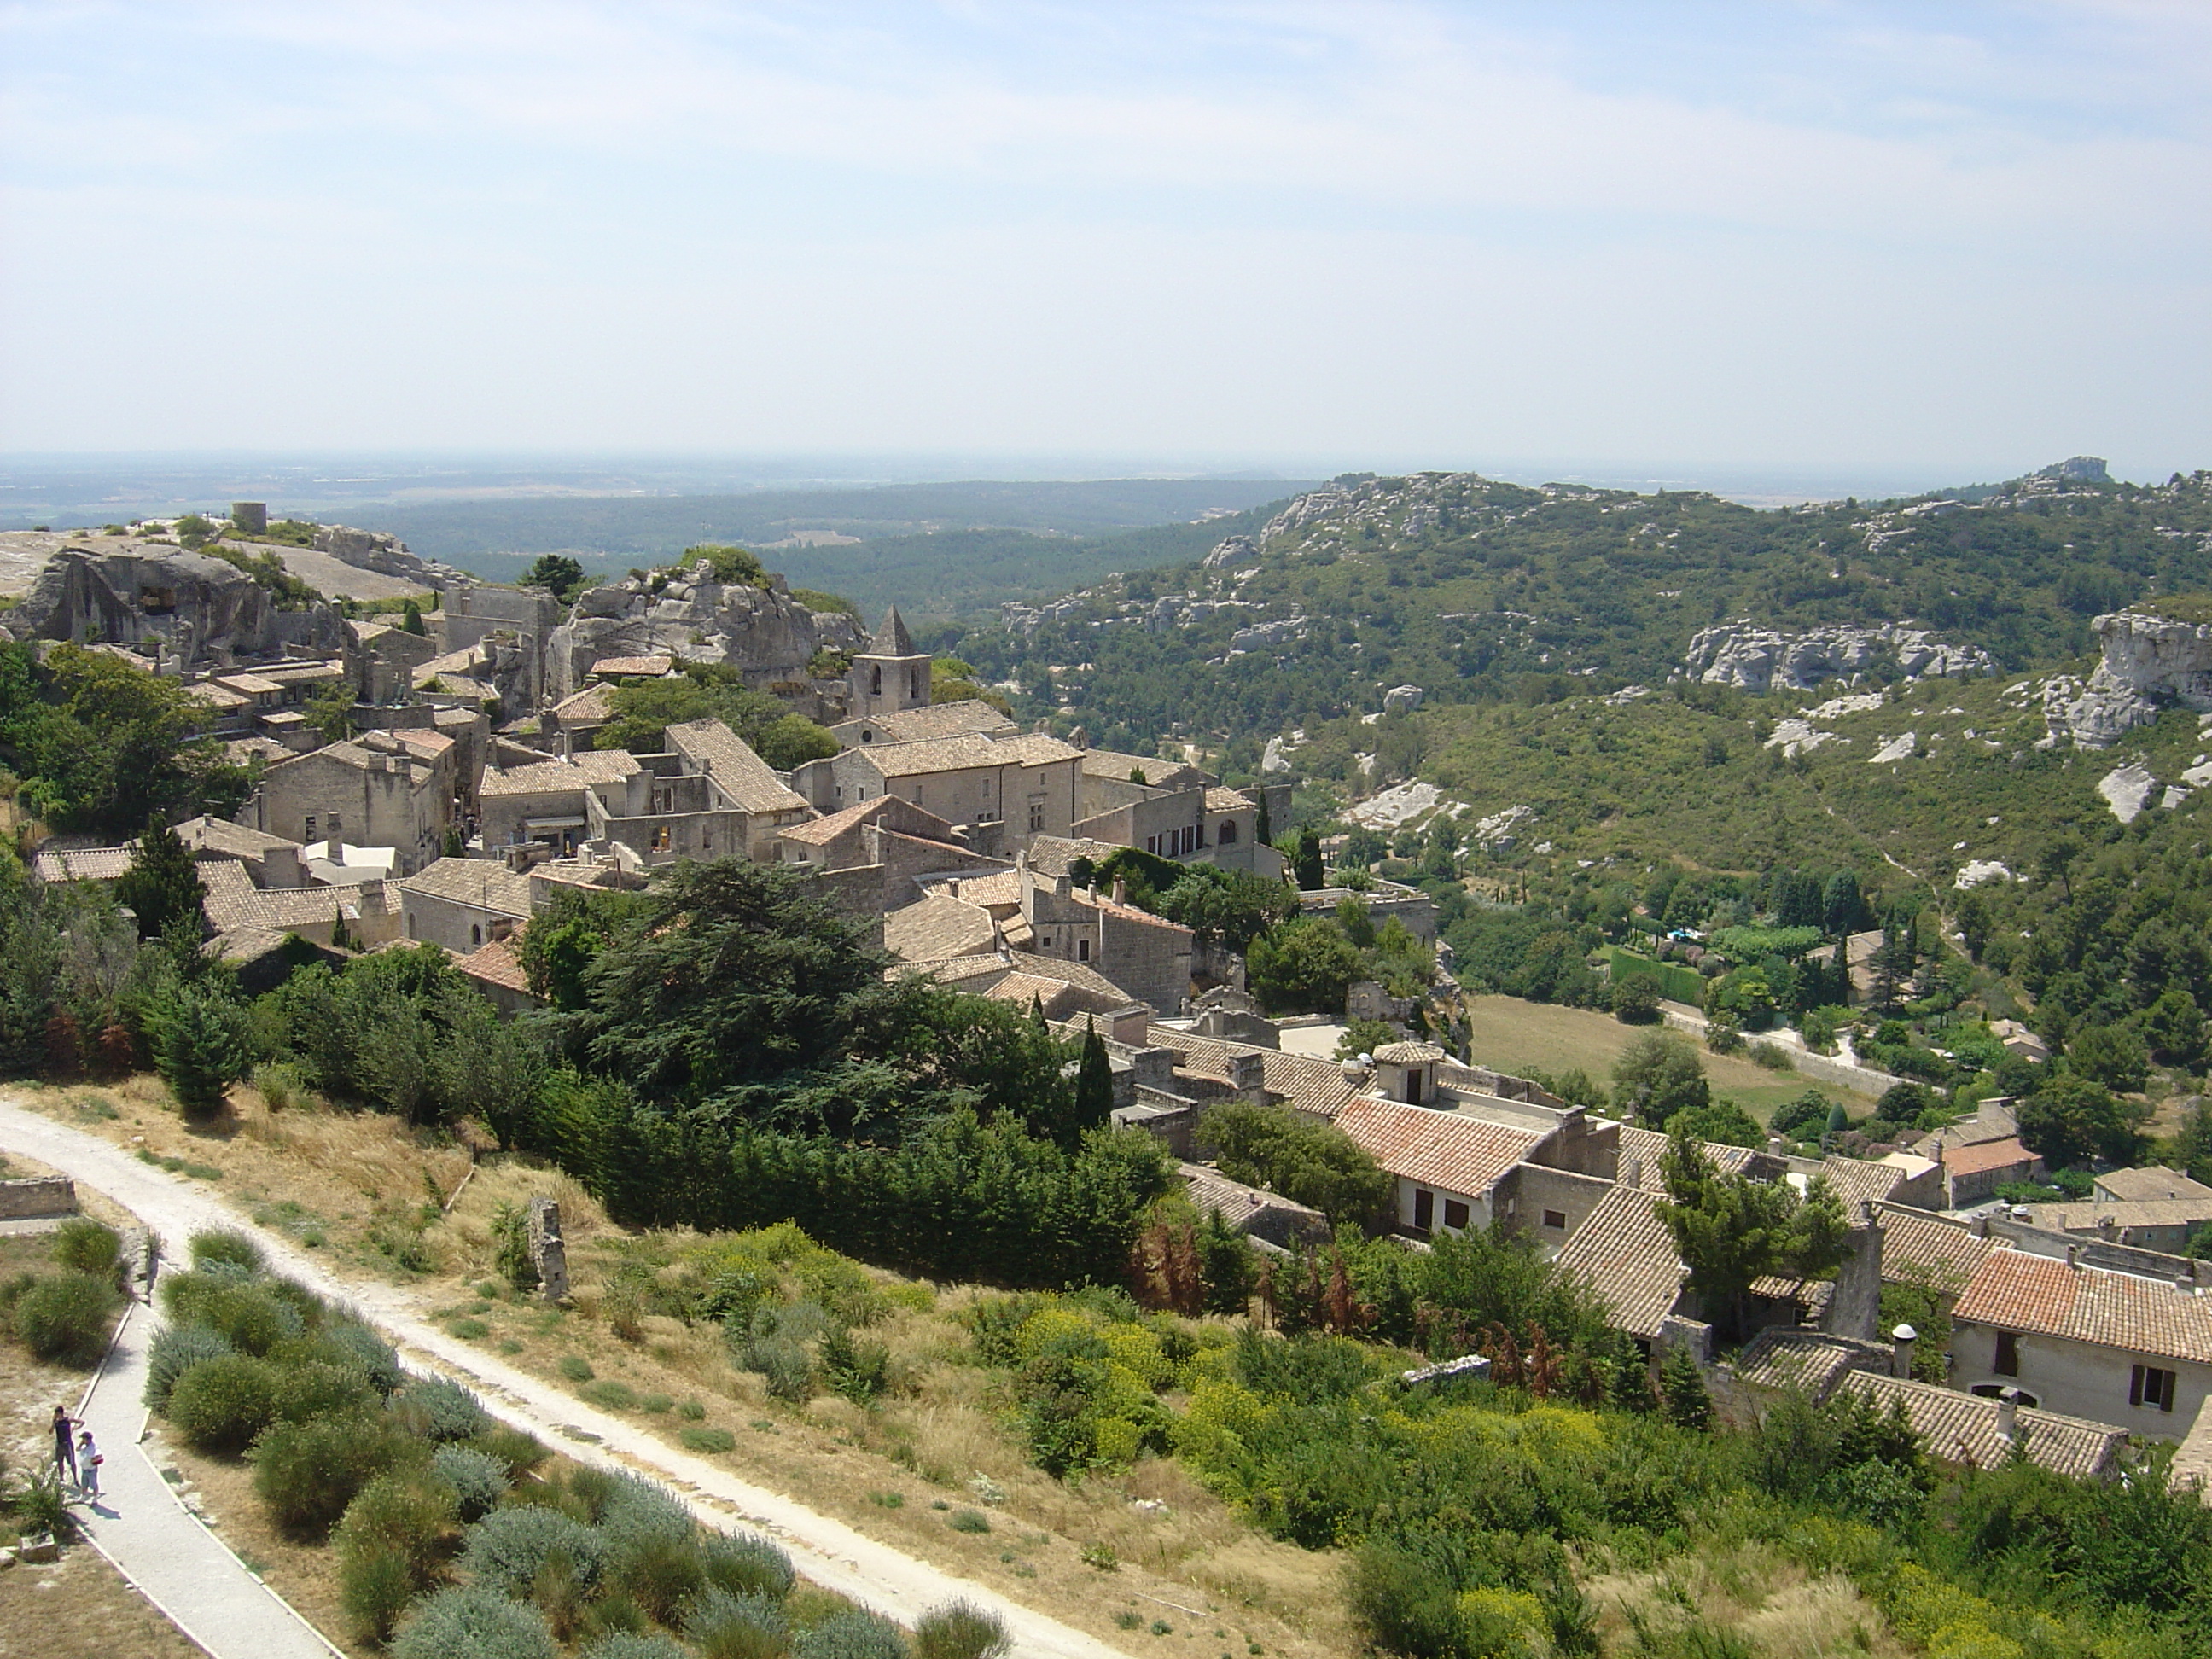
(823, 1549)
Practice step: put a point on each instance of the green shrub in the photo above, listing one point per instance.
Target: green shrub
(859, 1371)
(225, 1244)
(726, 1626)
(713, 1442)
(506, 1550)
(626, 1645)
(476, 1622)
(960, 1630)
(65, 1317)
(609, 1394)
(850, 1634)
(249, 1313)
(83, 1245)
(575, 1367)
(438, 1409)
(405, 1512)
(746, 1563)
(315, 1389)
(659, 1573)
(969, 1520)
(308, 1473)
(514, 1449)
(354, 1343)
(175, 1349)
(374, 1587)
(221, 1403)
(478, 1480)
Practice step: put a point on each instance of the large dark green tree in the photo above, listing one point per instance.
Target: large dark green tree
(1731, 1230)
(162, 885)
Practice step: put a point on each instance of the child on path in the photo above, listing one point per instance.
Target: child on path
(87, 1464)
(64, 1448)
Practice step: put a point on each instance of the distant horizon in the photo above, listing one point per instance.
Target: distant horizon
(150, 482)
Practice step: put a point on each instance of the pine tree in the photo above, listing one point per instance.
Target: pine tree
(197, 1049)
(162, 883)
(1309, 860)
(1094, 1084)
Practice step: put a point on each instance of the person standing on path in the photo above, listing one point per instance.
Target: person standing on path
(87, 1465)
(64, 1448)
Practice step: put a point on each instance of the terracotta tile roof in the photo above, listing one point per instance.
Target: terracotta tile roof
(81, 864)
(820, 832)
(1445, 1150)
(1410, 1053)
(1240, 1206)
(208, 834)
(1980, 1158)
(499, 963)
(939, 719)
(965, 753)
(1080, 974)
(955, 971)
(480, 883)
(554, 776)
(1811, 1362)
(651, 667)
(588, 706)
(1131, 912)
(1918, 1248)
(421, 741)
(995, 887)
(282, 909)
(1962, 1428)
(1060, 999)
(1626, 1255)
(2015, 1291)
(2154, 1182)
(744, 779)
(1051, 856)
(1648, 1147)
(1856, 1180)
(940, 925)
(1306, 1082)
(360, 753)
(1221, 800)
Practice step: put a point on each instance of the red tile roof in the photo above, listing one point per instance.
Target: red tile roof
(2015, 1291)
(1980, 1158)
(1624, 1253)
(1436, 1149)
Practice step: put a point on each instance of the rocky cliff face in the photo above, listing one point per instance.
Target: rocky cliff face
(1741, 654)
(2147, 663)
(763, 632)
(133, 591)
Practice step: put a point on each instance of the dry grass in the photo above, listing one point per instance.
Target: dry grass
(1511, 1035)
(1750, 1592)
(80, 1608)
(370, 1193)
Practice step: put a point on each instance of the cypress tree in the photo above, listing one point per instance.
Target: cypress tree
(162, 883)
(1309, 860)
(1094, 1082)
(411, 619)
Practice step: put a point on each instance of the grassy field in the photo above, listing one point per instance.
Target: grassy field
(1512, 1036)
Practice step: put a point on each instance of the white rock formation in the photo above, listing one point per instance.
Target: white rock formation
(1978, 871)
(1402, 699)
(1895, 750)
(1495, 832)
(1742, 653)
(1230, 551)
(1274, 762)
(2147, 663)
(1396, 806)
(2128, 791)
(761, 631)
(1796, 737)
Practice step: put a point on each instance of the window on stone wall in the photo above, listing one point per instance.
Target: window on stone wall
(1556, 1218)
(1228, 836)
(2149, 1386)
(1455, 1214)
(1425, 1208)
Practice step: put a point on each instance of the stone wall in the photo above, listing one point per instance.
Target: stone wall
(40, 1195)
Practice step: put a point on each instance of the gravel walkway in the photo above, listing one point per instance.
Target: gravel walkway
(823, 1549)
(139, 1524)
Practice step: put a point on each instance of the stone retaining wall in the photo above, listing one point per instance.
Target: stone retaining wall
(41, 1195)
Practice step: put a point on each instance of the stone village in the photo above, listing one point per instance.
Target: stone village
(472, 790)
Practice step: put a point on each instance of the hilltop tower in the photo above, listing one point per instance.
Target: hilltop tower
(890, 676)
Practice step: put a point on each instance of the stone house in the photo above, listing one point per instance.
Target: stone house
(1447, 1166)
(269, 860)
(2113, 1347)
(1003, 790)
(1147, 955)
(2135, 1186)
(890, 677)
(542, 803)
(462, 903)
(374, 791)
(740, 788)
(380, 661)
(495, 970)
(2163, 1224)
(970, 717)
(1972, 1174)
(1171, 810)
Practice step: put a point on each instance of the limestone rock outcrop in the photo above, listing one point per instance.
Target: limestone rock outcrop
(1742, 653)
(133, 591)
(386, 554)
(2148, 663)
(762, 632)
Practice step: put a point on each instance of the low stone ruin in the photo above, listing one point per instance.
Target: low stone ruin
(547, 1253)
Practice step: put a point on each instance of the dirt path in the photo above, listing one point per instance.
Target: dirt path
(826, 1550)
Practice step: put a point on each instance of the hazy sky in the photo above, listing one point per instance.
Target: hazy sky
(1770, 234)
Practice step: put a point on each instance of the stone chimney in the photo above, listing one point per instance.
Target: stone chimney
(1121, 890)
(2008, 1415)
(1901, 1344)
(1248, 1075)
